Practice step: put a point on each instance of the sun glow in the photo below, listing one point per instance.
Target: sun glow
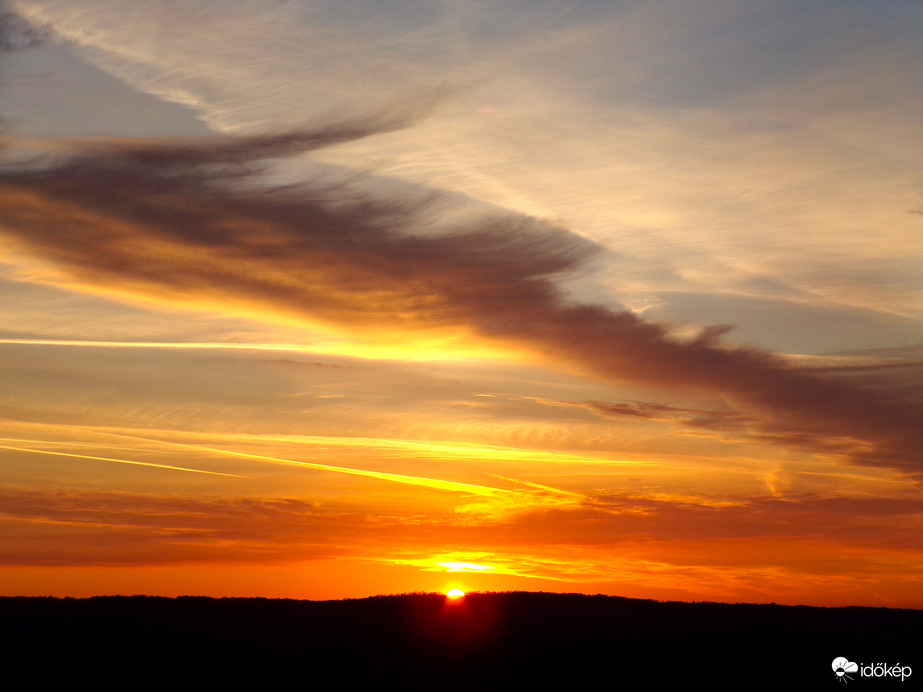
(464, 567)
(454, 594)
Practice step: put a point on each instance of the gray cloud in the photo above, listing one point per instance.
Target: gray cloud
(16, 34)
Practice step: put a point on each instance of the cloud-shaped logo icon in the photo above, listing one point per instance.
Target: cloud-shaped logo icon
(841, 666)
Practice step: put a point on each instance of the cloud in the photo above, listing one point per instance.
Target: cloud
(90, 527)
(79, 527)
(194, 224)
(713, 420)
(766, 426)
(17, 35)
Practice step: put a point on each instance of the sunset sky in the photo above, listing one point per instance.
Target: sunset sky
(333, 298)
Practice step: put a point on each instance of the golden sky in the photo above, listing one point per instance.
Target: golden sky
(331, 299)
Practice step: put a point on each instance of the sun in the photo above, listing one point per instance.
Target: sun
(454, 594)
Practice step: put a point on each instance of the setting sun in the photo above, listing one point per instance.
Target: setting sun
(455, 593)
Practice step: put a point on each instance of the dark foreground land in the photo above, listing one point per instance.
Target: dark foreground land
(424, 642)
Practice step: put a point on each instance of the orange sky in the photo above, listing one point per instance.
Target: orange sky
(541, 311)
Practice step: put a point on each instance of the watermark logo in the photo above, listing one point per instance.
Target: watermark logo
(845, 670)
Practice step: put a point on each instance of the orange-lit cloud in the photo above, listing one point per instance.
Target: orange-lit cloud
(671, 545)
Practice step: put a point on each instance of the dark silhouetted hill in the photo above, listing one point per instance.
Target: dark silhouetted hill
(424, 642)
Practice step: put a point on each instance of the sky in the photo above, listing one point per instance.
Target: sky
(327, 299)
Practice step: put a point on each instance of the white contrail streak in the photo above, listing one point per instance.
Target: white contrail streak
(116, 461)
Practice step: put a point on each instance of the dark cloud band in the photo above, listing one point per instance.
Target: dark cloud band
(184, 223)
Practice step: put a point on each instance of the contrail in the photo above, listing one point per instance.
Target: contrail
(158, 344)
(117, 461)
(395, 477)
(452, 486)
